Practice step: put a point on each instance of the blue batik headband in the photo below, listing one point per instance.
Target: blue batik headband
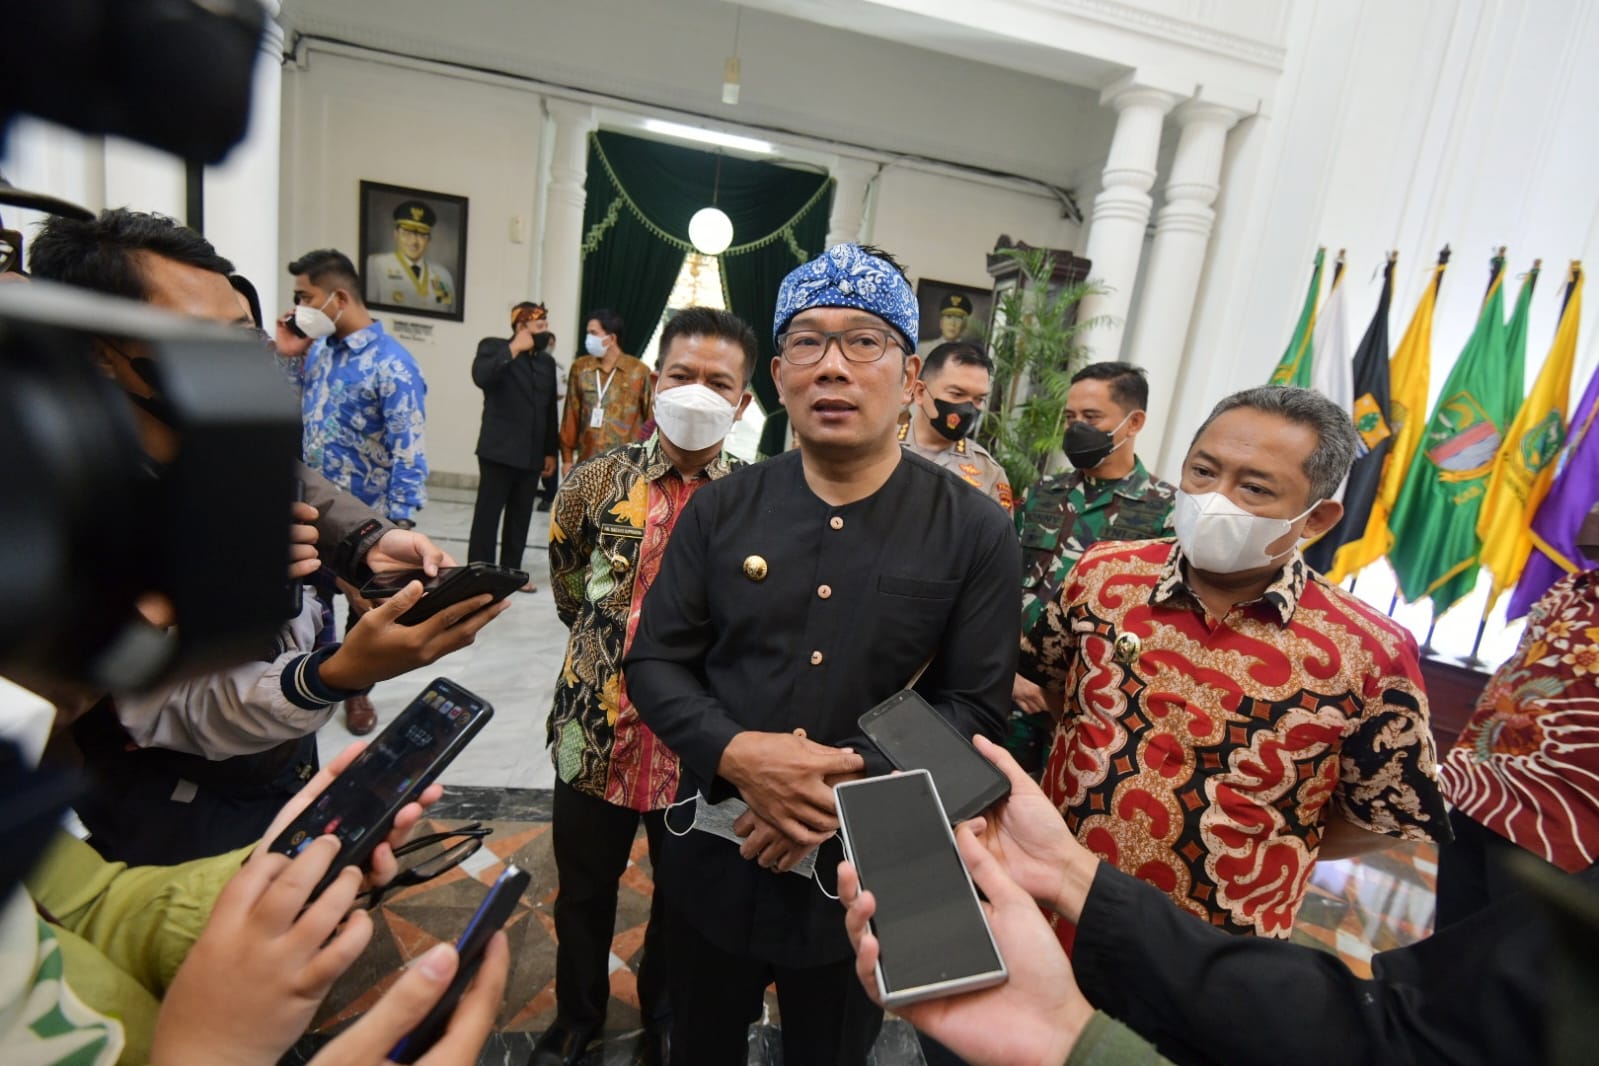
(846, 276)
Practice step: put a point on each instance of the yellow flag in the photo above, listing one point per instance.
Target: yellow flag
(1525, 466)
(1409, 376)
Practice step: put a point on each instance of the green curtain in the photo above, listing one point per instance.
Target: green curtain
(641, 195)
(751, 279)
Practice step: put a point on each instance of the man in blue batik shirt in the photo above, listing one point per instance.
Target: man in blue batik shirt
(363, 400)
(362, 406)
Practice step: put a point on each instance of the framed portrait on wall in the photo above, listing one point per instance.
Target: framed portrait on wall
(949, 312)
(413, 251)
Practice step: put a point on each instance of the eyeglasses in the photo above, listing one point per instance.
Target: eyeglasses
(863, 344)
(426, 857)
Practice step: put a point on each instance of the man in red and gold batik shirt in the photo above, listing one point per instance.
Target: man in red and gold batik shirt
(609, 528)
(1524, 775)
(1229, 717)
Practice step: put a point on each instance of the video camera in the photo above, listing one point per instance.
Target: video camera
(90, 524)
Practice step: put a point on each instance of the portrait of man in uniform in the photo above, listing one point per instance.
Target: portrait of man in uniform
(413, 251)
(947, 312)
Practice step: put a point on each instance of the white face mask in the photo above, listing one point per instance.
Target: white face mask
(314, 321)
(1219, 537)
(595, 346)
(693, 417)
(717, 819)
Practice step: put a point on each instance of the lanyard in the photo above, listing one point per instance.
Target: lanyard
(602, 388)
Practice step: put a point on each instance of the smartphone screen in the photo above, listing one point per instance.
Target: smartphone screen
(933, 936)
(360, 805)
(491, 916)
(916, 737)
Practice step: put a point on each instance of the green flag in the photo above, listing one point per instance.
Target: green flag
(1436, 548)
(1294, 368)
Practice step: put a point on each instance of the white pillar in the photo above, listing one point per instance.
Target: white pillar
(563, 218)
(1121, 210)
(1182, 236)
(851, 180)
(241, 193)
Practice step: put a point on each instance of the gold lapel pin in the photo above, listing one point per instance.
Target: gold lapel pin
(755, 568)
(1127, 648)
(619, 563)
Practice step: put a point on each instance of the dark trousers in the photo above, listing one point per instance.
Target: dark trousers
(592, 842)
(547, 487)
(506, 489)
(1473, 871)
(827, 1018)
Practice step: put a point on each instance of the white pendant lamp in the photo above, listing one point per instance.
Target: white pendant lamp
(710, 230)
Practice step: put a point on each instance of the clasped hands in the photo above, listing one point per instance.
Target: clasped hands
(787, 779)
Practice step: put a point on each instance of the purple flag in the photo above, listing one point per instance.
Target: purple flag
(1554, 530)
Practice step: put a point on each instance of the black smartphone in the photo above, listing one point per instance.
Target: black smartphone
(932, 935)
(494, 912)
(914, 736)
(360, 805)
(452, 585)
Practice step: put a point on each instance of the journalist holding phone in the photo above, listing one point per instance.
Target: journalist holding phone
(795, 595)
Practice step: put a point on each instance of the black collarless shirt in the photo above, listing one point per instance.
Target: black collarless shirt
(774, 611)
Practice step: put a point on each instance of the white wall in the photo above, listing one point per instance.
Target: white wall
(798, 77)
(1407, 126)
(943, 227)
(345, 121)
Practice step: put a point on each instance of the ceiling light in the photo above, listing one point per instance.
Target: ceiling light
(710, 230)
(703, 136)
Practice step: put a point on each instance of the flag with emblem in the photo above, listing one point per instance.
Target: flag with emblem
(1331, 554)
(1294, 367)
(1435, 551)
(1574, 487)
(1526, 464)
(1409, 378)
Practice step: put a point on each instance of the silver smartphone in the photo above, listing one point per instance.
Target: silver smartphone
(932, 935)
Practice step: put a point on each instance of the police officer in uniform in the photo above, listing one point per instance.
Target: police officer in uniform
(403, 277)
(946, 402)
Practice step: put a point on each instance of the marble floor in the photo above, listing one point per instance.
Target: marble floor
(513, 665)
(503, 780)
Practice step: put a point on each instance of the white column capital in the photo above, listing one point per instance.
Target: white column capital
(1139, 90)
(1197, 111)
(570, 113)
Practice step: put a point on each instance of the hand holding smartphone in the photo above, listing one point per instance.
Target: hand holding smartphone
(360, 805)
(452, 585)
(914, 736)
(491, 916)
(933, 937)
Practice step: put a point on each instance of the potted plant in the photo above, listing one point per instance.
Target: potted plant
(1035, 347)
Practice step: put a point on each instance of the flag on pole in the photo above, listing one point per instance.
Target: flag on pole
(1526, 464)
(1330, 372)
(1333, 552)
(1573, 492)
(1435, 521)
(1409, 378)
(1294, 367)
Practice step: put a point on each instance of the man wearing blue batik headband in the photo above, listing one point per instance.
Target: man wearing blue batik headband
(795, 595)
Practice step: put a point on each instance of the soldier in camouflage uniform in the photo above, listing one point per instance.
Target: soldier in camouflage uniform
(946, 402)
(1107, 495)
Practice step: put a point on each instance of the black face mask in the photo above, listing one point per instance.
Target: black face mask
(1087, 446)
(155, 405)
(954, 420)
(541, 341)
